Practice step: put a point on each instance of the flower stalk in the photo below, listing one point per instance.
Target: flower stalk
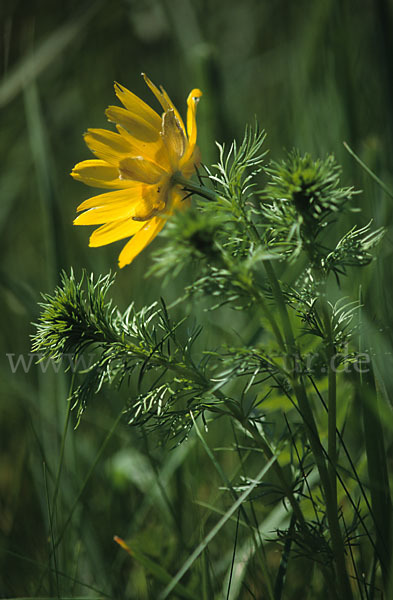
(326, 476)
(196, 188)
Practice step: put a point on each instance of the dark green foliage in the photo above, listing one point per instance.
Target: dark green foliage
(315, 74)
(230, 239)
(301, 199)
(75, 318)
(189, 236)
(311, 186)
(78, 319)
(354, 248)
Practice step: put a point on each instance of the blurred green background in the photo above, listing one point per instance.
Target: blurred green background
(314, 74)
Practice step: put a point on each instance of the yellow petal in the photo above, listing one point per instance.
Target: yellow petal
(164, 99)
(137, 106)
(153, 151)
(108, 145)
(192, 101)
(138, 127)
(112, 232)
(98, 173)
(104, 214)
(173, 138)
(111, 207)
(161, 99)
(138, 169)
(131, 195)
(140, 241)
(154, 200)
(188, 168)
(169, 101)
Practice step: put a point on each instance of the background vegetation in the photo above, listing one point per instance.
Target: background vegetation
(314, 74)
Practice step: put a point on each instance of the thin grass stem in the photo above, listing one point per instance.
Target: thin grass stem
(80, 493)
(315, 443)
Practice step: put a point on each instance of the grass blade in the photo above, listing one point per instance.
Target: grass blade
(155, 569)
(369, 171)
(33, 64)
(210, 536)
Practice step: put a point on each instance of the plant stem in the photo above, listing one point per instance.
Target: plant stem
(369, 396)
(282, 309)
(315, 443)
(269, 316)
(208, 193)
(327, 475)
(279, 473)
(332, 401)
(191, 186)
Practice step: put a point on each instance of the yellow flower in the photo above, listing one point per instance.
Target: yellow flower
(140, 163)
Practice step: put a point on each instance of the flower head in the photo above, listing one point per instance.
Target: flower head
(139, 164)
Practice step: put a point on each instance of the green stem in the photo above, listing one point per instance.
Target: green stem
(264, 446)
(328, 477)
(279, 473)
(265, 570)
(88, 476)
(315, 443)
(332, 429)
(332, 385)
(297, 511)
(62, 449)
(369, 395)
(282, 309)
(80, 494)
(191, 186)
(332, 402)
(208, 193)
(269, 316)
